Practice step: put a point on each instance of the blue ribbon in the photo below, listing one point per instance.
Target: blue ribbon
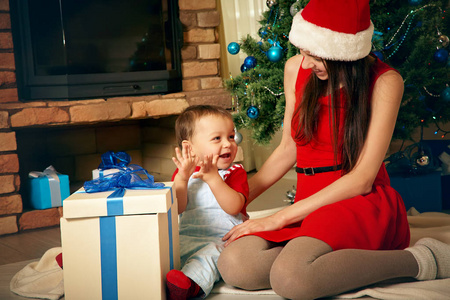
(108, 258)
(274, 43)
(113, 160)
(169, 215)
(131, 177)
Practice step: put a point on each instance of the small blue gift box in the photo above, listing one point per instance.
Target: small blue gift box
(48, 189)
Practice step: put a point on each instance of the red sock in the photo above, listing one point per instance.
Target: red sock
(180, 287)
(59, 260)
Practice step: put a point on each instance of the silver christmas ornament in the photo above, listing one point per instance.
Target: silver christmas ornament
(423, 161)
(237, 137)
(443, 40)
(271, 3)
(291, 195)
(295, 8)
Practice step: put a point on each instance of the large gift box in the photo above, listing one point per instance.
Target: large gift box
(47, 189)
(119, 247)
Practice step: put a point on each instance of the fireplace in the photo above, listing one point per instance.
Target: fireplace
(76, 49)
(141, 124)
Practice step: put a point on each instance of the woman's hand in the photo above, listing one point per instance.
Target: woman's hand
(251, 226)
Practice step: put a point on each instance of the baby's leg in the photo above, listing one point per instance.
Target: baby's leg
(246, 262)
(201, 267)
(307, 268)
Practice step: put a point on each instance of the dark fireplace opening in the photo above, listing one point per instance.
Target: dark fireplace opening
(76, 49)
(76, 150)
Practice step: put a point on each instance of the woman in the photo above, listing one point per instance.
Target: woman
(341, 107)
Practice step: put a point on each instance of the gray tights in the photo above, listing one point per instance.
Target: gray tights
(307, 268)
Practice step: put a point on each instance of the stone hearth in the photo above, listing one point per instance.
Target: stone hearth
(202, 84)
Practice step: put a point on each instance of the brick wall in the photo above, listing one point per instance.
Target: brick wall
(40, 123)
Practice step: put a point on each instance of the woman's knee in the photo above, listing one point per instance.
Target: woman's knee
(229, 265)
(292, 274)
(291, 282)
(246, 262)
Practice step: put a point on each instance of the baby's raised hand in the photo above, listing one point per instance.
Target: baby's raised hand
(185, 162)
(208, 168)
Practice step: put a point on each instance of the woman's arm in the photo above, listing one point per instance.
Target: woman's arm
(386, 98)
(284, 156)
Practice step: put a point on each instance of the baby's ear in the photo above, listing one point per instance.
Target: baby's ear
(188, 144)
(185, 142)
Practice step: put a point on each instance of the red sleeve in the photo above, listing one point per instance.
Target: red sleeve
(176, 172)
(236, 178)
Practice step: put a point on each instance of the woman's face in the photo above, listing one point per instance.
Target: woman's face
(316, 64)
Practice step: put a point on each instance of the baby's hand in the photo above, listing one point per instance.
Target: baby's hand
(185, 162)
(208, 168)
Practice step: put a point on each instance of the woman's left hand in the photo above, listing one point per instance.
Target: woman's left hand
(252, 226)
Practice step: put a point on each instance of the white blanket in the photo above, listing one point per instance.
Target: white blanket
(40, 279)
(44, 279)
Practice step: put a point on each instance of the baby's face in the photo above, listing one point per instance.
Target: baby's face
(215, 135)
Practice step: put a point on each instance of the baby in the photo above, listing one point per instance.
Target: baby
(211, 192)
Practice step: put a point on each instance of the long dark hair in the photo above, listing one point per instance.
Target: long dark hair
(354, 77)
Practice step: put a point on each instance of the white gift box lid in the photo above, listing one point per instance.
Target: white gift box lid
(135, 201)
(96, 173)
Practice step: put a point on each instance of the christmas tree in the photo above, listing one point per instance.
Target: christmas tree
(409, 35)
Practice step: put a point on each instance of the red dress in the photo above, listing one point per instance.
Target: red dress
(375, 221)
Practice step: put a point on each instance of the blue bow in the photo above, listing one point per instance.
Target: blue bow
(128, 177)
(114, 160)
(274, 43)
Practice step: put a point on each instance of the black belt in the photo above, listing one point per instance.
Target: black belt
(312, 171)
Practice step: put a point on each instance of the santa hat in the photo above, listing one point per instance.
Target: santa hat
(334, 29)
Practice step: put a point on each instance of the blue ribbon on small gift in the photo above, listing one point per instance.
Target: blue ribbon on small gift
(128, 177)
(54, 184)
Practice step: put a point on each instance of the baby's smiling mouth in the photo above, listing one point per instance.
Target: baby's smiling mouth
(225, 155)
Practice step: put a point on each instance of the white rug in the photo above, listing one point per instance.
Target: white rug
(436, 225)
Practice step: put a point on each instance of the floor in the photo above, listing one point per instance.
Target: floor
(17, 250)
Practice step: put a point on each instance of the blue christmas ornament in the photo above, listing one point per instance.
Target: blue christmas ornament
(250, 62)
(448, 62)
(441, 55)
(262, 32)
(275, 53)
(233, 48)
(243, 68)
(414, 2)
(379, 55)
(377, 39)
(253, 112)
(445, 95)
